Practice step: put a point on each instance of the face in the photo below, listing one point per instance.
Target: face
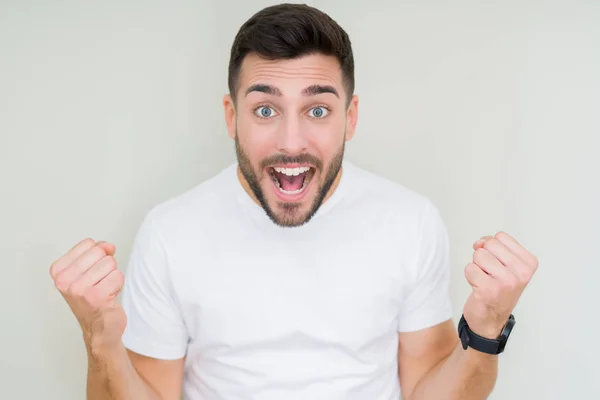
(290, 123)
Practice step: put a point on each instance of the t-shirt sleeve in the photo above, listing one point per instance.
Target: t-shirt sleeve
(428, 300)
(155, 326)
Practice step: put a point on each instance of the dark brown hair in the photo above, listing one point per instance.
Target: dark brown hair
(288, 31)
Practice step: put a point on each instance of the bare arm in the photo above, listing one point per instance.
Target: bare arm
(88, 279)
(500, 271)
(433, 365)
(119, 374)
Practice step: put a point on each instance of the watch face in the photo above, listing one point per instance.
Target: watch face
(506, 333)
(464, 338)
(508, 328)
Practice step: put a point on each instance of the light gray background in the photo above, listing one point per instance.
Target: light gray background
(489, 108)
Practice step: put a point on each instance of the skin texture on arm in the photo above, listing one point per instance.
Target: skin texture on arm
(164, 376)
(433, 365)
(120, 374)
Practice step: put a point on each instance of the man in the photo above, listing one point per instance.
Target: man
(292, 274)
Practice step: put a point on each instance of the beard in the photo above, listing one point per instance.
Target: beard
(290, 215)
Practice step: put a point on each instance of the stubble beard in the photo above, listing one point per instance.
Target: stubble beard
(290, 214)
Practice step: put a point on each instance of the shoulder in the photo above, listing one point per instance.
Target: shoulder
(379, 192)
(197, 206)
(410, 218)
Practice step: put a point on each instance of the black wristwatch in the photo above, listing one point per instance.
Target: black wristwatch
(469, 338)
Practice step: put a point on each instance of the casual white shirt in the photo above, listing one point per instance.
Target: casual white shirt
(270, 313)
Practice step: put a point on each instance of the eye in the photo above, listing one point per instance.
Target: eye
(318, 112)
(265, 112)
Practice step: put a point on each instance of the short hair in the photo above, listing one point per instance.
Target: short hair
(288, 31)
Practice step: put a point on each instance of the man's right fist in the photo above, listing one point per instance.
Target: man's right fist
(88, 278)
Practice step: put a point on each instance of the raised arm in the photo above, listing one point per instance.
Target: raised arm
(89, 281)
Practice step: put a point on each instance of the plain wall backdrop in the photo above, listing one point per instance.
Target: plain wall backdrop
(492, 109)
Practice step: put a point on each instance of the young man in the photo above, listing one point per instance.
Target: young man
(292, 274)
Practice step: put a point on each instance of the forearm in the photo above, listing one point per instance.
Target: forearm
(112, 376)
(465, 375)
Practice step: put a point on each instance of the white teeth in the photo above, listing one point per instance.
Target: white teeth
(290, 191)
(292, 171)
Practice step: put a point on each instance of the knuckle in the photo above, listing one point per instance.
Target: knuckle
(53, 268)
(490, 243)
(88, 242)
(469, 270)
(98, 251)
(112, 263)
(62, 283)
(501, 235)
(535, 262)
(481, 251)
(91, 257)
(479, 254)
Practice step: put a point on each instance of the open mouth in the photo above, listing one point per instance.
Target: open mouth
(291, 181)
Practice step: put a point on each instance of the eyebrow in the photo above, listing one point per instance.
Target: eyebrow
(268, 89)
(319, 89)
(312, 90)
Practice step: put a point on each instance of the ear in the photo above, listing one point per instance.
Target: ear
(351, 117)
(229, 109)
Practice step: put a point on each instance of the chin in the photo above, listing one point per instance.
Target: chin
(290, 215)
(291, 193)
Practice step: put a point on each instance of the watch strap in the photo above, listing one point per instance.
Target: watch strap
(469, 338)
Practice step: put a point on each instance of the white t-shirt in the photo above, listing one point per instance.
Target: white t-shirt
(270, 313)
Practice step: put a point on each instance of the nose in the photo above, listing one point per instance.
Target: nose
(291, 138)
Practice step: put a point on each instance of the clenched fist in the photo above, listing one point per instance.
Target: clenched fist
(88, 279)
(500, 271)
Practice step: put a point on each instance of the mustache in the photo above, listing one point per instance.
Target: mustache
(298, 159)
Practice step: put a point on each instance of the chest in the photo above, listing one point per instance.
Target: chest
(294, 291)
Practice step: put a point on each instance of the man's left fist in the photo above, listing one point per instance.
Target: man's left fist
(500, 271)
